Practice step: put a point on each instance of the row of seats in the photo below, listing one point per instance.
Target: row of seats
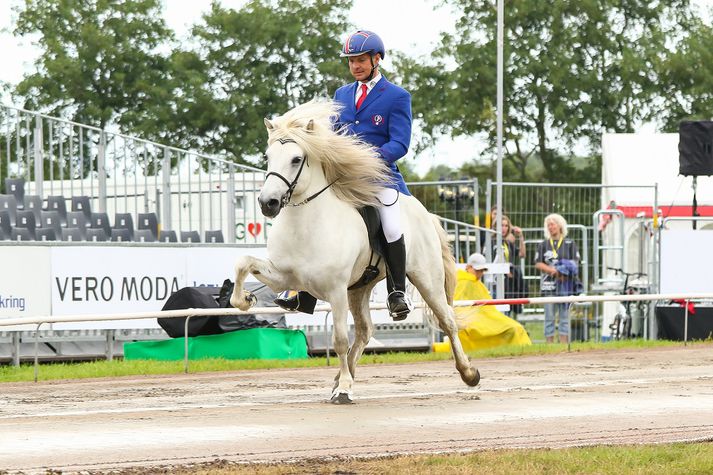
(33, 221)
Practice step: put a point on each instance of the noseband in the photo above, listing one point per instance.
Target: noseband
(285, 200)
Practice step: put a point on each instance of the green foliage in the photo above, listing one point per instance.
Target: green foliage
(687, 78)
(572, 71)
(256, 62)
(99, 63)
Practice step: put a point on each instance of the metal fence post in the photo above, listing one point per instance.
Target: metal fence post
(39, 154)
(230, 204)
(101, 172)
(166, 217)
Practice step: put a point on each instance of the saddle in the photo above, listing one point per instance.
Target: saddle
(377, 242)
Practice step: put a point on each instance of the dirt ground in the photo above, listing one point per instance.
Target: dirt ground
(575, 399)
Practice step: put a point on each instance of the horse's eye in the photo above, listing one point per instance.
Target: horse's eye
(296, 160)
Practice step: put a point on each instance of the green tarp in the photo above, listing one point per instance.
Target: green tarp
(255, 343)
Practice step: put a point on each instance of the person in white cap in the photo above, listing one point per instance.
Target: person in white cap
(476, 265)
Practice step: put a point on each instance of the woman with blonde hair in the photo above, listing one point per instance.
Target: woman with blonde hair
(557, 258)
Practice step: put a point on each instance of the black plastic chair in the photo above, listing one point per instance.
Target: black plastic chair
(45, 234)
(190, 236)
(214, 236)
(16, 187)
(120, 235)
(83, 204)
(148, 221)
(124, 221)
(33, 203)
(51, 220)
(144, 235)
(59, 204)
(100, 221)
(72, 234)
(76, 219)
(167, 236)
(96, 235)
(21, 234)
(5, 224)
(26, 220)
(9, 203)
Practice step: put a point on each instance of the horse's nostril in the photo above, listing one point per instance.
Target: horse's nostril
(273, 203)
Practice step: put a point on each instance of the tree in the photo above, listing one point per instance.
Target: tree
(572, 71)
(687, 79)
(100, 62)
(259, 61)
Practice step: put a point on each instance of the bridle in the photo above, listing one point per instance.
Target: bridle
(287, 196)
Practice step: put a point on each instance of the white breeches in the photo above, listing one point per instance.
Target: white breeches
(390, 215)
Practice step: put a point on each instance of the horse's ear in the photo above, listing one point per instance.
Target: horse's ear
(310, 125)
(268, 124)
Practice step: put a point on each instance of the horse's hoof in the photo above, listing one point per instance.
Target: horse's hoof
(247, 301)
(341, 397)
(471, 378)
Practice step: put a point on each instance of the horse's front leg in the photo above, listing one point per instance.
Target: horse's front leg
(342, 393)
(264, 271)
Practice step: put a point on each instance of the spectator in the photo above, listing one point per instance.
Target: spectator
(481, 326)
(514, 282)
(557, 258)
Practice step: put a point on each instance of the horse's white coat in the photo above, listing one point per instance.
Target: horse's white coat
(322, 247)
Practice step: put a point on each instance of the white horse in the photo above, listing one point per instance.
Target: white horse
(316, 180)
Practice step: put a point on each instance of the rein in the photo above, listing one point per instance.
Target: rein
(285, 200)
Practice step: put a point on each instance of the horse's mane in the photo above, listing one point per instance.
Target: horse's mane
(353, 165)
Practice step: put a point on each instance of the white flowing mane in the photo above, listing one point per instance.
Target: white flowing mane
(353, 165)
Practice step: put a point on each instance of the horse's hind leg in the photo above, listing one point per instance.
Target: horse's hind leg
(433, 292)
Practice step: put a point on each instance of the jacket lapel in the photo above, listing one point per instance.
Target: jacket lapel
(376, 92)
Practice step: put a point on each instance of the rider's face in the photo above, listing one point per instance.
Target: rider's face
(360, 66)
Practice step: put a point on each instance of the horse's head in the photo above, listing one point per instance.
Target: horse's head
(287, 173)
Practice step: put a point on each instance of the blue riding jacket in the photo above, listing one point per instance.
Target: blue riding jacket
(383, 120)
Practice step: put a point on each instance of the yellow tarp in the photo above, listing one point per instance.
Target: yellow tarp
(484, 326)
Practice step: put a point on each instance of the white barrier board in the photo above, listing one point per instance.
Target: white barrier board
(69, 280)
(24, 281)
(686, 261)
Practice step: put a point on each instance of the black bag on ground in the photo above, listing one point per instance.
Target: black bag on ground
(191, 297)
(265, 298)
(214, 297)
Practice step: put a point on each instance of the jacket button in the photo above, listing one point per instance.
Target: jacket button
(356, 122)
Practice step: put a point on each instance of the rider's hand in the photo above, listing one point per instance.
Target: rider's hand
(516, 231)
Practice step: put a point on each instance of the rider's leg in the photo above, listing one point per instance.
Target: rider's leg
(395, 251)
(301, 301)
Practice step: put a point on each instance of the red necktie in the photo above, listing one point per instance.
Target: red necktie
(362, 97)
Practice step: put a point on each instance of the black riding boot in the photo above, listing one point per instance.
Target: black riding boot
(302, 302)
(398, 305)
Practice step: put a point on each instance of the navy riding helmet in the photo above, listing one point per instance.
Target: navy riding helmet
(363, 42)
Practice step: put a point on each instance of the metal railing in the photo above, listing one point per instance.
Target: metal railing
(121, 174)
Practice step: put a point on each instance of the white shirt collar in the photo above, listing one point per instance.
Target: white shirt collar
(371, 83)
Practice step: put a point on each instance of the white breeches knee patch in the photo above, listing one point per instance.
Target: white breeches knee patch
(390, 215)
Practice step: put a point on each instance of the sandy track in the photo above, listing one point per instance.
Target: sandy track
(642, 396)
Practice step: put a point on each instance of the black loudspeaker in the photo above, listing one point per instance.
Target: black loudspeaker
(695, 148)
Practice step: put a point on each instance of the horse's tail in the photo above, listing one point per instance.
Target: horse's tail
(449, 262)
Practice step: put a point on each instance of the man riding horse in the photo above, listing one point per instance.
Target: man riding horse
(379, 112)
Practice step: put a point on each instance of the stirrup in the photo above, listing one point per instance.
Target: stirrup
(287, 301)
(399, 305)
